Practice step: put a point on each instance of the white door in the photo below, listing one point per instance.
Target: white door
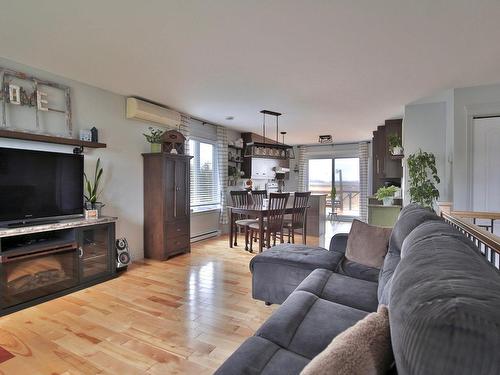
(486, 166)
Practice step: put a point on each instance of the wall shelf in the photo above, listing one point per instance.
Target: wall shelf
(49, 139)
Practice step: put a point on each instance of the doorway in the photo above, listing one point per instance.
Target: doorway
(343, 174)
(485, 165)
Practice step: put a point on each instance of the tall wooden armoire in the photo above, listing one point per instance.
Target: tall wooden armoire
(166, 205)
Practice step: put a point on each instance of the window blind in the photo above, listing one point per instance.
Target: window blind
(204, 174)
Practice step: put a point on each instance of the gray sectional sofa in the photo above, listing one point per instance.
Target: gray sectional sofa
(443, 299)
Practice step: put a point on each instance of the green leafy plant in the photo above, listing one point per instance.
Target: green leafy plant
(423, 178)
(92, 187)
(394, 141)
(154, 135)
(386, 192)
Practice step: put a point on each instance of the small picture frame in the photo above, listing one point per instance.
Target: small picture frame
(14, 94)
(42, 101)
(91, 214)
(85, 135)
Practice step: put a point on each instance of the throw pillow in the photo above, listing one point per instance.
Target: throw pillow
(363, 349)
(367, 244)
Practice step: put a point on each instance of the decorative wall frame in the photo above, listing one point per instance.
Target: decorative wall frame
(32, 97)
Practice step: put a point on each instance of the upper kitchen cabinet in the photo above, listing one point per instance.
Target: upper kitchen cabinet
(260, 168)
(386, 170)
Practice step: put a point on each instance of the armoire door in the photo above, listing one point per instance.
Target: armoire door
(181, 196)
(169, 165)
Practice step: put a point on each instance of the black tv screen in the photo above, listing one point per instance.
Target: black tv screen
(38, 184)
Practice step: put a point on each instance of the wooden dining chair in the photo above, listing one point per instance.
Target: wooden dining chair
(258, 197)
(241, 198)
(273, 225)
(298, 217)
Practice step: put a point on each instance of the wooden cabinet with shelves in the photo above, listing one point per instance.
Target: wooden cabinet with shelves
(386, 169)
(166, 205)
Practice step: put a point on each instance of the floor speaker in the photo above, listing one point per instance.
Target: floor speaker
(122, 253)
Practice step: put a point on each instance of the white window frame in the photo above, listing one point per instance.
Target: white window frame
(215, 165)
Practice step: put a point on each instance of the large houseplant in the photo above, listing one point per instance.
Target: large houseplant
(92, 189)
(423, 178)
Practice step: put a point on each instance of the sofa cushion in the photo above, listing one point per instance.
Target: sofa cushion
(364, 348)
(303, 256)
(444, 291)
(260, 356)
(367, 244)
(279, 270)
(342, 289)
(410, 217)
(357, 270)
(306, 324)
(391, 261)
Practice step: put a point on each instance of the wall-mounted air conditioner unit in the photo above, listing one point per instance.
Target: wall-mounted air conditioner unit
(145, 111)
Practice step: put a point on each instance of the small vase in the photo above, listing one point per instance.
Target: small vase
(388, 201)
(155, 147)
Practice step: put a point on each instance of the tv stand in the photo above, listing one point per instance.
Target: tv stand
(21, 224)
(43, 261)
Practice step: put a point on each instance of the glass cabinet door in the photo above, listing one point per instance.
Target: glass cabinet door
(95, 251)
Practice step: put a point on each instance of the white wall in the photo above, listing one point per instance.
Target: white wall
(121, 160)
(424, 127)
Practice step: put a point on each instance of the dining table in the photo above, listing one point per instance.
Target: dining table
(257, 211)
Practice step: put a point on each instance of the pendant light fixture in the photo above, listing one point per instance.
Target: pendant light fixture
(271, 150)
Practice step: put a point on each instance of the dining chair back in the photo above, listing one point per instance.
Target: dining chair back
(258, 197)
(240, 198)
(300, 201)
(276, 212)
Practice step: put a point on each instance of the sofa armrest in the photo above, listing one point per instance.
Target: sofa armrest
(339, 242)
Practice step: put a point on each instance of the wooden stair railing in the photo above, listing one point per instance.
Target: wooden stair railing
(487, 243)
(475, 215)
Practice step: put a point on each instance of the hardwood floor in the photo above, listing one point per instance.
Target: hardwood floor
(183, 316)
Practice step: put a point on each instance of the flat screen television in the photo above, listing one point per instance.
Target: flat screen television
(39, 185)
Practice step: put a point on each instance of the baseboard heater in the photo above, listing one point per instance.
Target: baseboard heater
(204, 236)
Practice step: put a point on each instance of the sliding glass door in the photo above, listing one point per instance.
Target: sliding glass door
(343, 173)
(347, 186)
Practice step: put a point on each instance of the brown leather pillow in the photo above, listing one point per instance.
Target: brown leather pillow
(363, 349)
(367, 244)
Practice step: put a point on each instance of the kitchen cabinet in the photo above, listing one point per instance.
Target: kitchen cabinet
(386, 170)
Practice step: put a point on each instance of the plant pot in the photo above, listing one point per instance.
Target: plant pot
(155, 147)
(387, 201)
(397, 150)
(94, 206)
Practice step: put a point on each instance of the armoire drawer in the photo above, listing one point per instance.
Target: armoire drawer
(176, 245)
(177, 228)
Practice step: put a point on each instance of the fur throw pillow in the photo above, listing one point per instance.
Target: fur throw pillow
(363, 349)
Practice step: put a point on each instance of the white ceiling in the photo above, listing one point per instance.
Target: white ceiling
(332, 67)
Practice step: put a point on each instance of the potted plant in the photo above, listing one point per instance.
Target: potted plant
(92, 190)
(386, 195)
(395, 144)
(423, 178)
(154, 137)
